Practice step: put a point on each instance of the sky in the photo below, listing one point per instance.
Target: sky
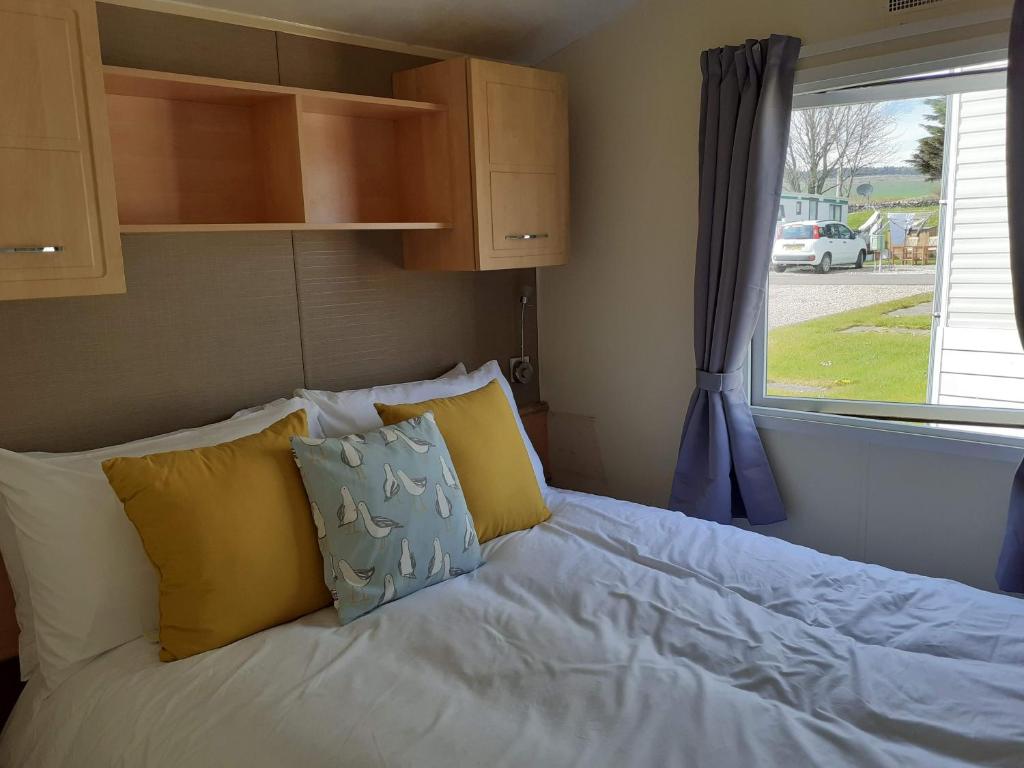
(909, 114)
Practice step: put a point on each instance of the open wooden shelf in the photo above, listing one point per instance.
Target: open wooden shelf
(168, 85)
(282, 226)
(202, 154)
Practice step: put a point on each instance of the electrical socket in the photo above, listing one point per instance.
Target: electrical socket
(516, 369)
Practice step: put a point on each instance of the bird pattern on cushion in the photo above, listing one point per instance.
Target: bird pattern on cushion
(347, 512)
(447, 474)
(357, 577)
(350, 454)
(407, 563)
(398, 500)
(436, 559)
(377, 526)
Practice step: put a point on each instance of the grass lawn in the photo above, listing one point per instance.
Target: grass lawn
(815, 359)
(898, 187)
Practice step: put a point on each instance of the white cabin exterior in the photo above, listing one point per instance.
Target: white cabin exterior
(799, 206)
(976, 359)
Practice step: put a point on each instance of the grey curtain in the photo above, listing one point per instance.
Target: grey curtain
(1010, 570)
(722, 470)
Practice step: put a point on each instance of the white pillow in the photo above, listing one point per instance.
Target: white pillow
(27, 658)
(90, 585)
(312, 412)
(343, 413)
(351, 411)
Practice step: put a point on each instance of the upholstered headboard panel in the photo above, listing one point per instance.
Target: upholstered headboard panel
(209, 324)
(365, 320)
(215, 322)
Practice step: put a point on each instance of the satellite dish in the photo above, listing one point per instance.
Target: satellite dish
(865, 190)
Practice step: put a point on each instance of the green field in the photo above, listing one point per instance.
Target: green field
(895, 188)
(816, 359)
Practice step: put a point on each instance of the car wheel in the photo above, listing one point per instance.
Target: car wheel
(825, 266)
(780, 268)
(860, 260)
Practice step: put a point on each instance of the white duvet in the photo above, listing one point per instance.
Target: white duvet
(613, 635)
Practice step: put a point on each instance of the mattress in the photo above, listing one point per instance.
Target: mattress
(612, 635)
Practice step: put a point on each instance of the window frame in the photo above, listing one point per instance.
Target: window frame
(878, 85)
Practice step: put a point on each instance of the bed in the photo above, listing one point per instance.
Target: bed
(614, 634)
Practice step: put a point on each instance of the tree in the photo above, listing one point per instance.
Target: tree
(829, 146)
(930, 148)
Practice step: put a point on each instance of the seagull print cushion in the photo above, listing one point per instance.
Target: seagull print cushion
(389, 511)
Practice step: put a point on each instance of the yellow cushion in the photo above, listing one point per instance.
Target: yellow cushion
(490, 459)
(230, 532)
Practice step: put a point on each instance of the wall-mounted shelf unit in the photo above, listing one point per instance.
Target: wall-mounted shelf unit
(201, 154)
(477, 150)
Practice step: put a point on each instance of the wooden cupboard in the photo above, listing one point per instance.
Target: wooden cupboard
(504, 182)
(58, 216)
(471, 160)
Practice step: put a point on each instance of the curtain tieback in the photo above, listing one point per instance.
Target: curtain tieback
(719, 382)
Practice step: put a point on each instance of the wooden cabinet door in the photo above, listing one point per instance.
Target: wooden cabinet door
(520, 138)
(58, 213)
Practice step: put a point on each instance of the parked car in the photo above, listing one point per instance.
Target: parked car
(819, 244)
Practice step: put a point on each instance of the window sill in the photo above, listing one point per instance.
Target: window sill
(918, 437)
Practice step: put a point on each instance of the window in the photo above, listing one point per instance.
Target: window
(782, 213)
(799, 207)
(904, 309)
(797, 232)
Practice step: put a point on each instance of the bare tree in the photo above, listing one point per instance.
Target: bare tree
(829, 146)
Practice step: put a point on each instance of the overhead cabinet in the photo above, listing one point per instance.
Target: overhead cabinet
(58, 216)
(470, 159)
(504, 183)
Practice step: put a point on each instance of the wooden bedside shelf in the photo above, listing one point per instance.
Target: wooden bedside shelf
(535, 422)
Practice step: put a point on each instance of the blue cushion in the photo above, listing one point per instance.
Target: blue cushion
(389, 511)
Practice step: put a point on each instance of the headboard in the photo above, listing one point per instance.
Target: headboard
(215, 322)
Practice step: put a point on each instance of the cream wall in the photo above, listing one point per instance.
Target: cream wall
(616, 323)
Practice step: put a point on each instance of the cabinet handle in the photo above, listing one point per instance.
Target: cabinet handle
(32, 249)
(526, 236)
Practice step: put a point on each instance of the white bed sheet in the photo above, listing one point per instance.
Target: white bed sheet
(614, 635)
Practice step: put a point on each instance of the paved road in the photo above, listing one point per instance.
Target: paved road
(866, 276)
(794, 297)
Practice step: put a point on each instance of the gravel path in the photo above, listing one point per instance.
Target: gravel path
(788, 304)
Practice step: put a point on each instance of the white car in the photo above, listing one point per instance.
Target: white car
(818, 244)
